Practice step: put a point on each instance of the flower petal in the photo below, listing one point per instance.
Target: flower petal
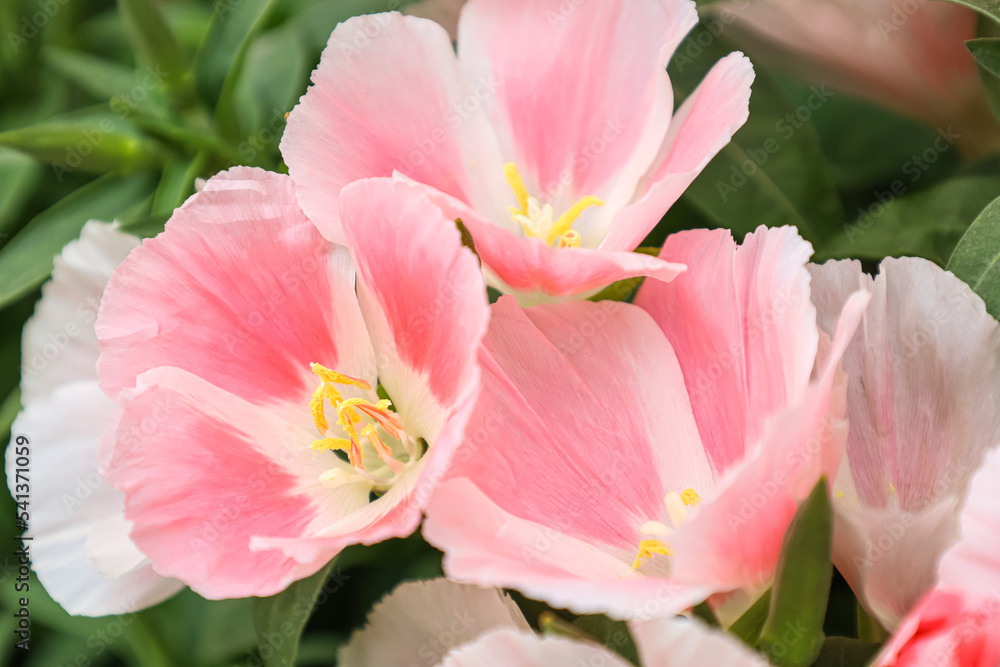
(681, 642)
(70, 502)
(240, 290)
(583, 99)
(748, 351)
(924, 370)
(703, 125)
(388, 96)
(502, 648)
(59, 344)
(427, 619)
(205, 471)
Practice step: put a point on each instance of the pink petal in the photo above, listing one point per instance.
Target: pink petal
(422, 296)
(240, 290)
(503, 648)
(701, 128)
(678, 642)
(746, 352)
(70, 503)
(204, 472)
(924, 368)
(734, 539)
(59, 343)
(388, 96)
(584, 123)
(427, 619)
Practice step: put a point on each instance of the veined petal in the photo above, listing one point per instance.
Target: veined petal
(502, 648)
(181, 445)
(587, 123)
(240, 290)
(388, 96)
(427, 619)
(924, 380)
(682, 642)
(703, 125)
(746, 352)
(59, 344)
(70, 501)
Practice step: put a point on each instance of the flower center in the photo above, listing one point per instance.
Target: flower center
(360, 420)
(677, 509)
(536, 219)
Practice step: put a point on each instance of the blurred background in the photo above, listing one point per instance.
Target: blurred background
(112, 110)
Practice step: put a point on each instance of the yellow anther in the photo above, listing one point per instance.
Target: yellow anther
(647, 548)
(327, 444)
(517, 183)
(690, 497)
(317, 410)
(840, 494)
(566, 220)
(333, 377)
(892, 488)
(570, 239)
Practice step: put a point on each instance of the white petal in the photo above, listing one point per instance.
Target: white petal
(506, 648)
(680, 642)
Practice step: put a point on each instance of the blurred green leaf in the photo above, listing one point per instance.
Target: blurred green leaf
(26, 261)
(986, 51)
(158, 48)
(793, 633)
(773, 172)
(94, 146)
(924, 224)
(99, 77)
(8, 411)
(990, 8)
(976, 259)
(749, 626)
(280, 620)
(177, 183)
(18, 175)
(845, 652)
(231, 21)
(613, 634)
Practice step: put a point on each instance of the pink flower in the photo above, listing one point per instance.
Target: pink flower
(551, 135)
(924, 380)
(957, 624)
(80, 548)
(245, 355)
(631, 461)
(453, 625)
(910, 57)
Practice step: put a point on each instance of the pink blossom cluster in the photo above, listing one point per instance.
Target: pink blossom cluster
(304, 362)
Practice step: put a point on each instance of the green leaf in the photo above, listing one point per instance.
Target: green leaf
(26, 261)
(279, 620)
(986, 51)
(925, 224)
(613, 634)
(773, 172)
(158, 48)
(990, 8)
(976, 259)
(101, 78)
(749, 626)
(844, 652)
(18, 175)
(869, 629)
(93, 146)
(177, 183)
(8, 411)
(231, 22)
(793, 633)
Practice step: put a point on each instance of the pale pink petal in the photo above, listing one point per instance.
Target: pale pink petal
(69, 502)
(388, 96)
(425, 620)
(503, 648)
(924, 368)
(204, 472)
(537, 272)
(679, 642)
(240, 290)
(734, 539)
(746, 352)
(583, 99)
(702, 126)
(59, 343)
(422, 296)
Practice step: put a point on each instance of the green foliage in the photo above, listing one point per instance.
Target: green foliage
(976, 260)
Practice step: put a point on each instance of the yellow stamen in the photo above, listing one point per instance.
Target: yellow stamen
(690, 497)
(327, 444)
(566, 220)
(517, 183)
(647, 548)
(570, 239)
(333, 377)
(317, 410)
